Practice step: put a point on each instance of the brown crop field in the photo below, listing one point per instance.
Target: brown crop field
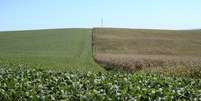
(165, 51)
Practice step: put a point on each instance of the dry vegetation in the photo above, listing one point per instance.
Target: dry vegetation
(167, 51)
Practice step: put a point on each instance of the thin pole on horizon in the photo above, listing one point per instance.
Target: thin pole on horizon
(102, 22)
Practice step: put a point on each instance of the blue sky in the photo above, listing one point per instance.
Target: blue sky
(39, 14)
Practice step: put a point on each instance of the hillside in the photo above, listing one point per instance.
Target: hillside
(60, 49)
(57, 64)
(151, 50)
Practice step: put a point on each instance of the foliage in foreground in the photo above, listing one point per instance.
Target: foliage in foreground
(35, 84)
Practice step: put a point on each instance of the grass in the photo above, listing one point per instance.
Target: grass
(137, 49)
(59, 49)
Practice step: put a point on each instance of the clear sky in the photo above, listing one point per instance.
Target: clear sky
(39, 14)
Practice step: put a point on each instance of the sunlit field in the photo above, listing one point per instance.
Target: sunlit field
(58, 49)
(174, 52)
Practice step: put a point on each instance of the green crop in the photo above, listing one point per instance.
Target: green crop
(37, 84)
(58, 49)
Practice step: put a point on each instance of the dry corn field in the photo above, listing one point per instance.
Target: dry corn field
(175, 52)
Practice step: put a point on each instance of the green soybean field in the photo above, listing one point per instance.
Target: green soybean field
(35, 84)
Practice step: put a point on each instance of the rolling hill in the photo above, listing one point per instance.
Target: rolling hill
(166, 51)
(60, 49)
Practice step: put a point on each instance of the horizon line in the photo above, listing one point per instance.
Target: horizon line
(55, 28)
